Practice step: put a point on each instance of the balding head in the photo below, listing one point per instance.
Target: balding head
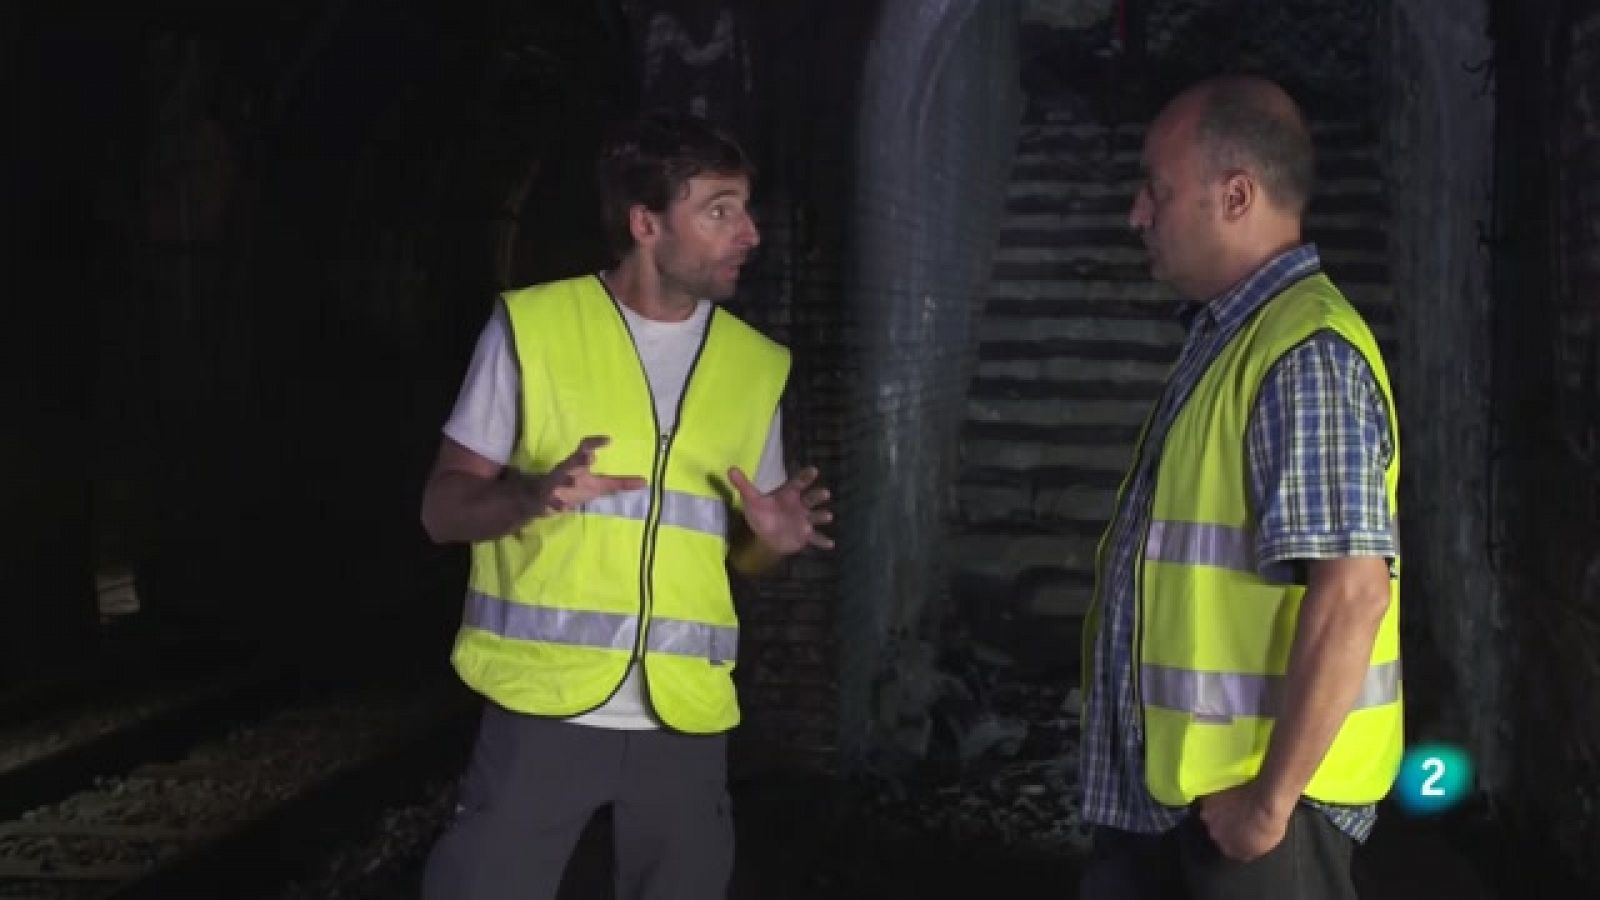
(1251, 124)
(1228, 168)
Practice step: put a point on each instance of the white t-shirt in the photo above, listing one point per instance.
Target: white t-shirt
(485, 421)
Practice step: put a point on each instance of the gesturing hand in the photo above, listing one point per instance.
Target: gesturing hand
(571, 483)
(786, 519)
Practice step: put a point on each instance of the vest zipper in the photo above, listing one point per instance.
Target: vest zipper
(647, 547)
(652, 529)
(1138, 620)
(652, 512)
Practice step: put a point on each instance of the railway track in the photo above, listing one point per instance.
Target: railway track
(104, 725)
(230, 790)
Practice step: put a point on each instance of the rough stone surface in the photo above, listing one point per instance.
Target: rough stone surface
(1314, 47)
(1547, 374)
(937, 132)
(1440, 204)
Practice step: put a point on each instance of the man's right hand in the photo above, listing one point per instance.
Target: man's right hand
(572, 482)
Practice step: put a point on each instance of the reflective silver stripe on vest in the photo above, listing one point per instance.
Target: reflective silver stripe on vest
(705, 514)
(525, 622)
(719, 645)
(623, 505)
(613, 631)
(1201, 544)
(1218, 697)
(1205, 544)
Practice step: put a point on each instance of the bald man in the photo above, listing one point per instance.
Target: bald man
(1242, 711)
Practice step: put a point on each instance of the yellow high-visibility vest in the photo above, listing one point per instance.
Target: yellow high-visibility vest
(1212, 635)
(556, 612)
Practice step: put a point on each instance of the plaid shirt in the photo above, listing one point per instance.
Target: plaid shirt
(1318, 445)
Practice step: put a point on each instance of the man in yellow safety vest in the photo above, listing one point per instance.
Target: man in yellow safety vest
(616, 444)
(1242, 703)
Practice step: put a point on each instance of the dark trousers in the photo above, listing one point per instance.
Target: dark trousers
(1311, 863)
(534, 783)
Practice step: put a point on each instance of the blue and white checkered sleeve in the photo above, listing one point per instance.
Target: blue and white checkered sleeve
(1318, 445)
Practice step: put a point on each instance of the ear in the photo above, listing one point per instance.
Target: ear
(643, 224)
(1239, 194)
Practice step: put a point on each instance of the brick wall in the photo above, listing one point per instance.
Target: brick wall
(785, 80)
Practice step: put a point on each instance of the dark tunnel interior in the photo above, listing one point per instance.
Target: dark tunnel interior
(251, 247)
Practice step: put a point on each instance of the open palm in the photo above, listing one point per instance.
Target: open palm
(786, 519)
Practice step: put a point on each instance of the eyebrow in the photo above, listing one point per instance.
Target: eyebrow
(725, 192)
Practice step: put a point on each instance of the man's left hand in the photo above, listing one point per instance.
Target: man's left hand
(786, 519)
(1243, 823)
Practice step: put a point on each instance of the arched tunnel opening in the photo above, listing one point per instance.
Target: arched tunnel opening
(252, 251)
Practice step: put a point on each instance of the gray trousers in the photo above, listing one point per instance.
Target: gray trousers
(1312, 863)
(532, 786)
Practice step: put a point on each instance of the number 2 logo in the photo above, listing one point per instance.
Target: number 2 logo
(1430, 787)
(1434, 778)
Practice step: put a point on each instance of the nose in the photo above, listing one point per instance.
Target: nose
(750, 235)
(1139, 213)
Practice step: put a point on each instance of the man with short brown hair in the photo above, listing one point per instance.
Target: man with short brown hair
(597, 461)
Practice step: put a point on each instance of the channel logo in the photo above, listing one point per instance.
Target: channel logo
(1434, 778)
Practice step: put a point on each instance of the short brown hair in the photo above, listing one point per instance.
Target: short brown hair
(650, 160)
